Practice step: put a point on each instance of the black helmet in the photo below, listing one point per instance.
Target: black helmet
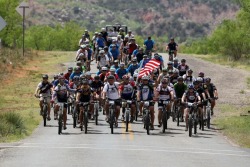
(180, 78)
(111, 77)
(45, 76)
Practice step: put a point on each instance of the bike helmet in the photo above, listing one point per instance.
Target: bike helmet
(175, 59)
(190, 70)
(116, 61)
(196, 82)
(199, 79)
(97, 77)
(180, 78)
(111, 77)
(125, 77)
(172, 38)
(208, 79)
(45, 76)
(156, 55)
(55, 76)
(88, 73)
(70, 69)
(190, 86)
(176, 71)
(201, 74)
(145, 77)
(145, 56)
(164, 80)
(170, 63)
(104, 69)
(85, 82)
(112, 70)
(122, 64)
(105, 48)
(103, 29)
(83, 46)
(101, 52)
(165, 69)
(170, 71)
(61, 74)
(76, 78)
(135, 75)
(134, 59)
(183, 60)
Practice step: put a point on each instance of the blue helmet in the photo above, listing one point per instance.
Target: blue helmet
(190, 86)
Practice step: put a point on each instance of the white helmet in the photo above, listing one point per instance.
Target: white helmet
(112, 70)
(104, 68)
(81, 54)
(135, 75)
(145, 77)
(103, 29)
(101, 51)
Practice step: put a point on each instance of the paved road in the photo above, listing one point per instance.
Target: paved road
(134, 148)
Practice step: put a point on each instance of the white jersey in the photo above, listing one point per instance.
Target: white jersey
(103, 60)
(80, 51)
(112, 91)
(188, 79)
(164, 93)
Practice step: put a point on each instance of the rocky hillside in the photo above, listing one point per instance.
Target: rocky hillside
(182, 18)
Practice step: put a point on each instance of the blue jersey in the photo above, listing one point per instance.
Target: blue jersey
(132, 68)
(121, 72)
(100, 42)
(89, 53)
(149, 44)
(115, 53)
(74, 74)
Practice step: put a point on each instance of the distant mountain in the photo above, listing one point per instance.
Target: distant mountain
(178, 18)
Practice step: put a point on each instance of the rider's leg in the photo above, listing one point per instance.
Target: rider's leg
(64, 116)
(133, 110)
(212, 104)
(160, 116)
(91, 108)
(140, 108)
(186, 111)
(117, 107)
(152, 113)
(81, 115)
(56, 109)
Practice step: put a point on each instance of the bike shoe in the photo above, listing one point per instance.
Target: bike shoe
(64, 128)
(152, 127)
(212, 112)
(132, 119)
(48, 118)
(160, 124)
(116, 124)
(186, 129)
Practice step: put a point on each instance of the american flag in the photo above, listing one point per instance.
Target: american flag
(149, 67)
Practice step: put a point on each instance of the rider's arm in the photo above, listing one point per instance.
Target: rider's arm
(183, 99)
(78, 97)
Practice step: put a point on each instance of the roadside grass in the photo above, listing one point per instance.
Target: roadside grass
(233, 125)
(222, 60)
(17, 92)
(248, 82)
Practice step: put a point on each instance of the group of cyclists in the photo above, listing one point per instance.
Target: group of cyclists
(119, 60)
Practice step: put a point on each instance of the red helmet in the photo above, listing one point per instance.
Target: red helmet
(125, 77)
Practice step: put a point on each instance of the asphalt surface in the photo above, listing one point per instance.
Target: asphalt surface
(134, 148)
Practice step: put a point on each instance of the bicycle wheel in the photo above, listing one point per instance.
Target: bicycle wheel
(174, 113)
(190, 124)
(147, 122)
(202, 122)
(96, 113)
(68, 108)
(60, 124)
(137, 110)
(195, 126)
(45, 108)
(112, 120)
(81, 126)
(178, 116)
(208, 118)
(127, 119)
(164, 120)
(74, 118)
(85, 121)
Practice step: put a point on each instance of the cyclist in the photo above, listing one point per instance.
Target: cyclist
(163, 93)
(115, 52)
(121, 33)
(139, 55)
(146, 93)
(115, 65)
(132, 67)
(189, 78)
(172, 46)
(84, 95)
(144, 61)
(199, 89)
(124, 48)
(90, 56)
(103, 34)
(67, 75)
(121, 71)
(170, 66)
(77, 72)
(202, 75)
(103, 60)
(149, 45)
(176, 62)
(174, 78)
(57, 81)
(159, 58)
(130, 35)
(60, 95)
(131, 47)
(179, 88)
(82, 51)
(183, 67)
(88, 77)
(190, 96)
(100, 41)
(112, 72)
(111, 92)
(86, 33)
(84, 40)
(44, 90)
(97, 85)
(127, 93)
(103, 73)
(109, 54)
(163, 74)
(211, 92)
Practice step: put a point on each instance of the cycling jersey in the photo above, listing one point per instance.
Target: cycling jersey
(115, 75)
(164, 93)
(211, 88)
(103, 60)
(45, 87)
(191, 97)
(146, 91)
(115, 53)
(188, 79)
(131, 47)
(90, 51)
(85, 94)
(172, 46)
(132, 68)
(149, 44)
(100, 42)
(127, 90)
(120, 72)
(182, 69)
(97, 85)
(200, 90)
(112, 90)
(180, 89)
(57, 82)
(173, 79)
(60, 92)
(75, 74)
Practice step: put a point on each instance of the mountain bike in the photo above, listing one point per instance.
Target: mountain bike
(60, 113)
(207, 113)
(44, 109)
(177, 111)
(192, 118)
(171, 55)
(96, 110)
(127, 104)
(165, 115)
(146, 116)
(112, 118)
(84, 116)
(71, 104)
